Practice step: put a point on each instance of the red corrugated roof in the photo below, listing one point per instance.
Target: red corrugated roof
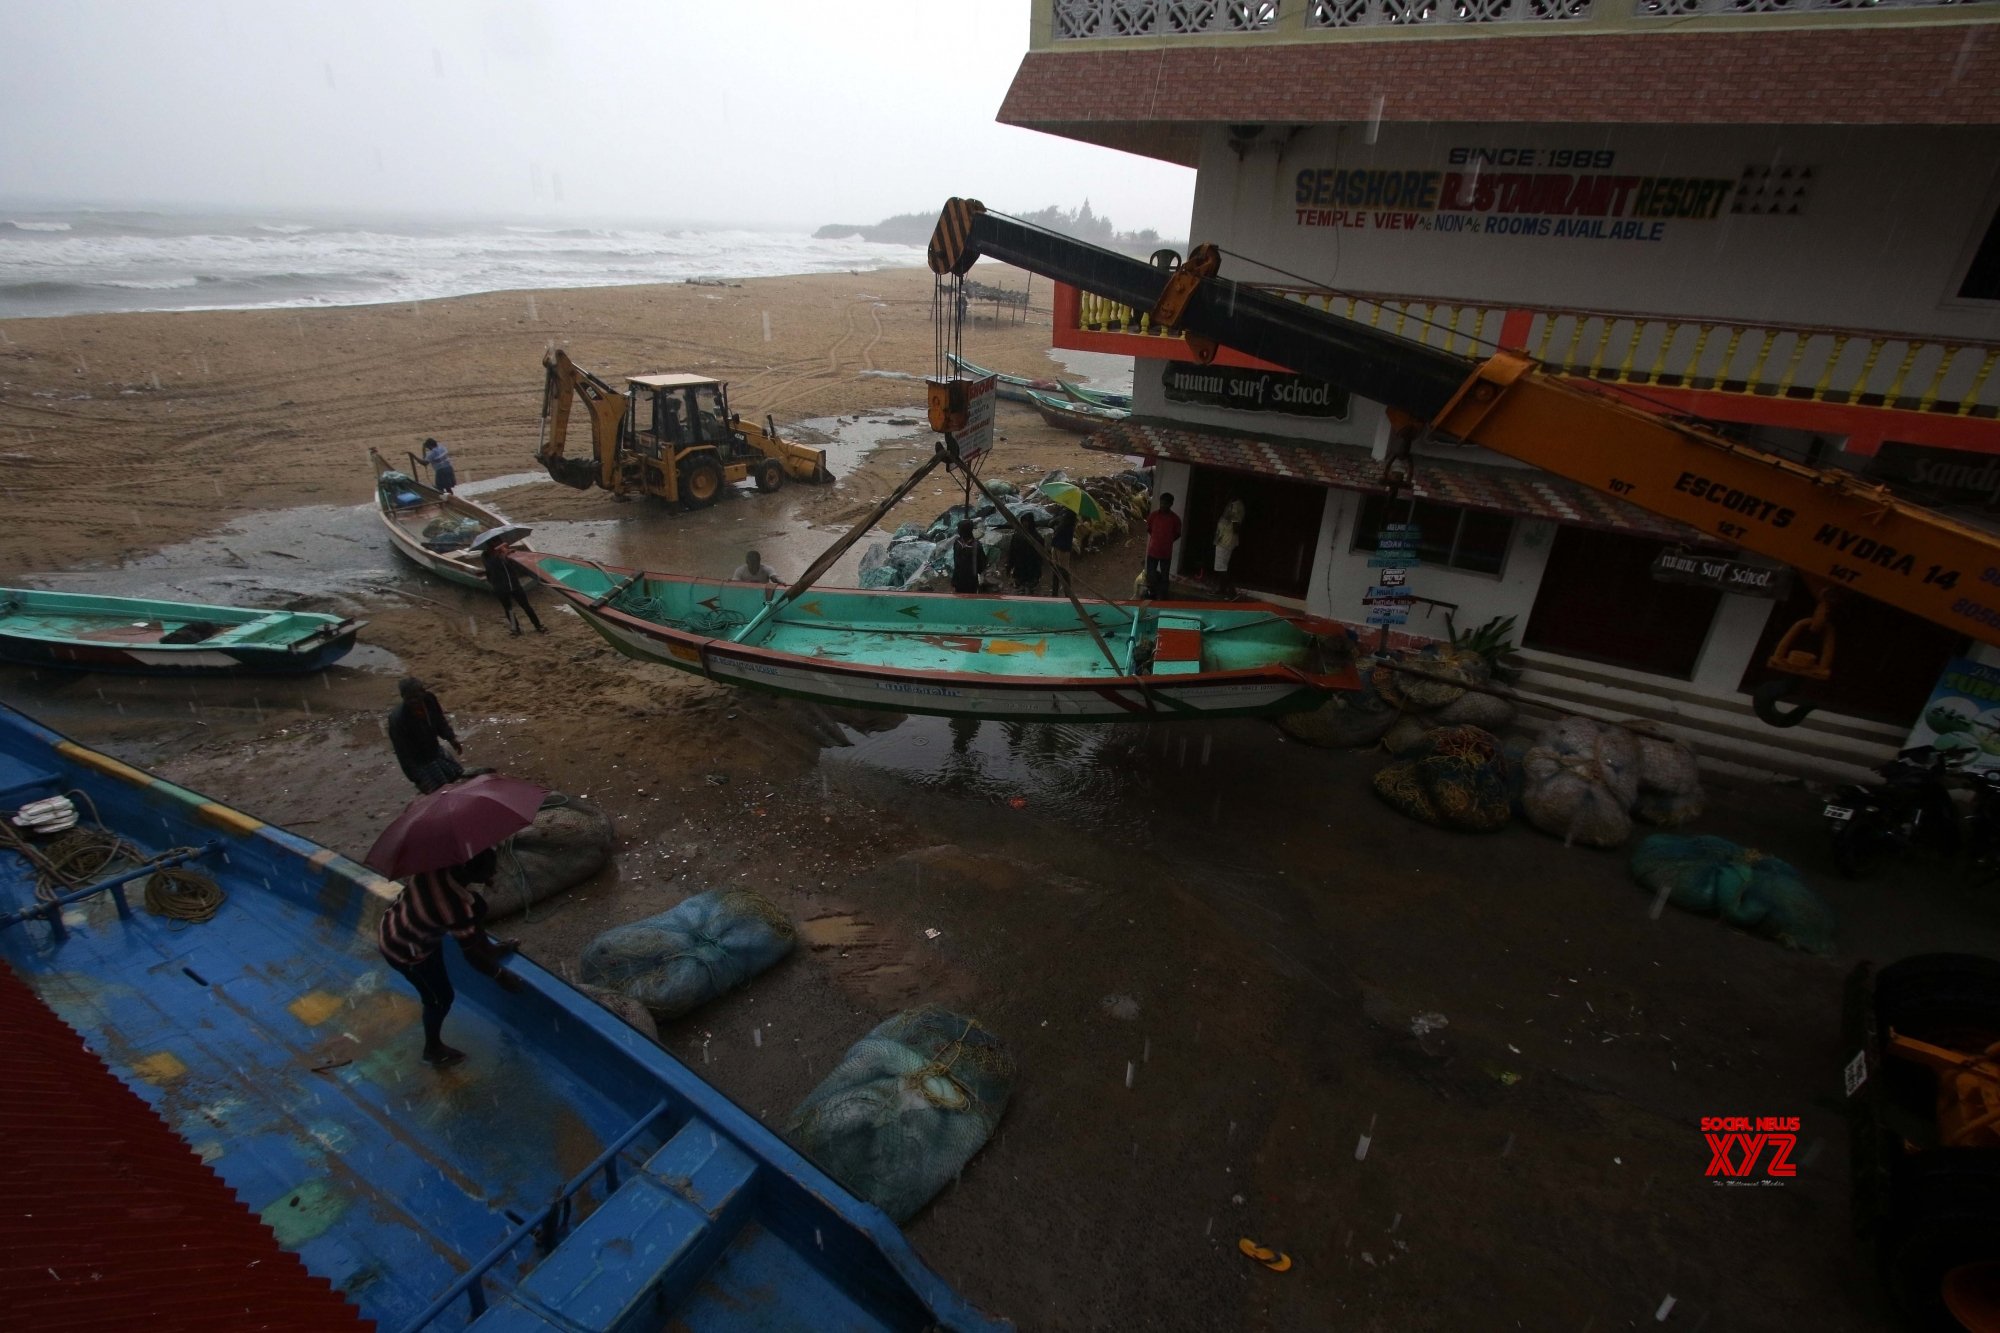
(1930, 74)
(1520, 491)
(108, 1221)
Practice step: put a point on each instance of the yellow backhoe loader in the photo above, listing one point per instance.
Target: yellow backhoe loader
(667, 435)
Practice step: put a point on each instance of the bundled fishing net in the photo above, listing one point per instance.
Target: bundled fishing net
(1439, 678)
(448, 532)
(1670, 791)
(1580, 779)
(684, 957)
(1716, 877)
(1474, 709)
(1348, 719)
(1457, 779)
(907, 1107)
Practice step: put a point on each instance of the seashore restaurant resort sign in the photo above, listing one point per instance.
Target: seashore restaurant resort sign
(1562, 193)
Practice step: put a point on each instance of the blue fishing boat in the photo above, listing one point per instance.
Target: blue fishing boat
(568, 1175)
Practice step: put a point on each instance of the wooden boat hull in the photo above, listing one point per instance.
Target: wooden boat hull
(273, 1040)
(405, 523)
(125, 636)
(1014, 388)
(1008, 637)
(1069, 414)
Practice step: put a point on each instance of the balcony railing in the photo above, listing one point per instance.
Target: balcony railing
(1084, 20)
(1794, 362)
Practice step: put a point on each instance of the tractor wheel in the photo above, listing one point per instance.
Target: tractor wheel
(1948, 999)
(1940, 1249)
(770, 475)
(701, 483)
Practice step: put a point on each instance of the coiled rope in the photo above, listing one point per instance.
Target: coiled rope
(83, 855)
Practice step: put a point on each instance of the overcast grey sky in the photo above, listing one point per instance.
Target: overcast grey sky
(763, 112)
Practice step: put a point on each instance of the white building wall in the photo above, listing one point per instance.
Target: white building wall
(1887, 226)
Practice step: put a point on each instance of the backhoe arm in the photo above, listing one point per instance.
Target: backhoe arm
(564, 379)
(1828, 524)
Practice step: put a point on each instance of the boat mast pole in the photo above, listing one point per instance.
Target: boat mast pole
(833, 553)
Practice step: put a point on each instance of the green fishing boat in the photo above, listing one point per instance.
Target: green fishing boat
(144, 636)
(1028, 658)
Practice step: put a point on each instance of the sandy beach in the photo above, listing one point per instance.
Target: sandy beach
(1207, 945)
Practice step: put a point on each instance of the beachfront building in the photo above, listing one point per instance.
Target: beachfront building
(1780, 215)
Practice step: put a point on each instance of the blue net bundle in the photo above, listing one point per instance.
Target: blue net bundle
(1745, 887)
(1456, 779)
(688, 955)
(907, 1108)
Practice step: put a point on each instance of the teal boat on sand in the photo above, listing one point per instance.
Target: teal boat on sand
(1026, 658)
(144, 636)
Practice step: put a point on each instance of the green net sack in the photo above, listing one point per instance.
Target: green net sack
(1745, 887)
(1458, 780)
(907, 1108)
(688, 955)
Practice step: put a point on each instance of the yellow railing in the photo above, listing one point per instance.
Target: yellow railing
(1797, 362)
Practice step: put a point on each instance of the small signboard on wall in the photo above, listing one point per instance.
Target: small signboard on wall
(1744, 577)
(1254, 390)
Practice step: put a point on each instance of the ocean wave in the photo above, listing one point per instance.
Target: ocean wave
(12, 225)
(283, 228)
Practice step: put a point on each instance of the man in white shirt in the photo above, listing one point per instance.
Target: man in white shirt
(754, 570)
(438, 459)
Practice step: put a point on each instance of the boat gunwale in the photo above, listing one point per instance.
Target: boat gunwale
(706, 644)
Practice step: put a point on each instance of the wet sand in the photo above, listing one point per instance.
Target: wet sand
(1207, 944)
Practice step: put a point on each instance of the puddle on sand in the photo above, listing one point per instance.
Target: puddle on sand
(315, 557)
(1156, 783)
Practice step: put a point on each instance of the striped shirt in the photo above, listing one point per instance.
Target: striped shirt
(432, 905)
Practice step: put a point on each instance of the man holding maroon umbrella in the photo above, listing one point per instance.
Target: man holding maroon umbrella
(442, 846)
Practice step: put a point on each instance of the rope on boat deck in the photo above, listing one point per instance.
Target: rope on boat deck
(79, 856)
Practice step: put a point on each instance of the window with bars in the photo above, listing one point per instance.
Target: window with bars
(1472, 540)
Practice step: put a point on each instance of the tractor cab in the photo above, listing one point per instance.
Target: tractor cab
(668, 414)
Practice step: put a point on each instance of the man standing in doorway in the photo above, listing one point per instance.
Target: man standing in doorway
(1163, 529)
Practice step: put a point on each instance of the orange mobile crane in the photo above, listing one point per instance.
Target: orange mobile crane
(1923, 1084)
(1842, 533)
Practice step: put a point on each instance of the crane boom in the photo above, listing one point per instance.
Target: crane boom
(1830, 525)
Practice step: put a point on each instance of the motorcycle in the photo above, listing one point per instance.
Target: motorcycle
(1911, 807)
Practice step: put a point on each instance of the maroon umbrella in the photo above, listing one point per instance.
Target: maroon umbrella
(455, 824)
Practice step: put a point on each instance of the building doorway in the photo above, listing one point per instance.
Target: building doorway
(1598, 600)
(1281, 521)
(1885, 661)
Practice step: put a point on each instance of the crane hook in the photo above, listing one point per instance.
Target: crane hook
(1765, 701)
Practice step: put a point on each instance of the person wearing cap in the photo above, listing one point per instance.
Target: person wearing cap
(438, 459)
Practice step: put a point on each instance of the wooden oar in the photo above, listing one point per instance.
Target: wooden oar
(832, 554)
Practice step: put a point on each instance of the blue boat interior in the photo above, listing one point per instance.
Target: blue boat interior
(568, 1175)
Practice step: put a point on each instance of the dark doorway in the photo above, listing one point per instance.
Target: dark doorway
(1885, 661)
(1280, 529)
(1599, 601)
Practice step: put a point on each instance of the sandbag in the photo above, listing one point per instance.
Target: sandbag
(634, 1014)
(569, 842)
(1457, 780)
(1745, 887)
(1350, 718)
(688, 955)
(907, 1107)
